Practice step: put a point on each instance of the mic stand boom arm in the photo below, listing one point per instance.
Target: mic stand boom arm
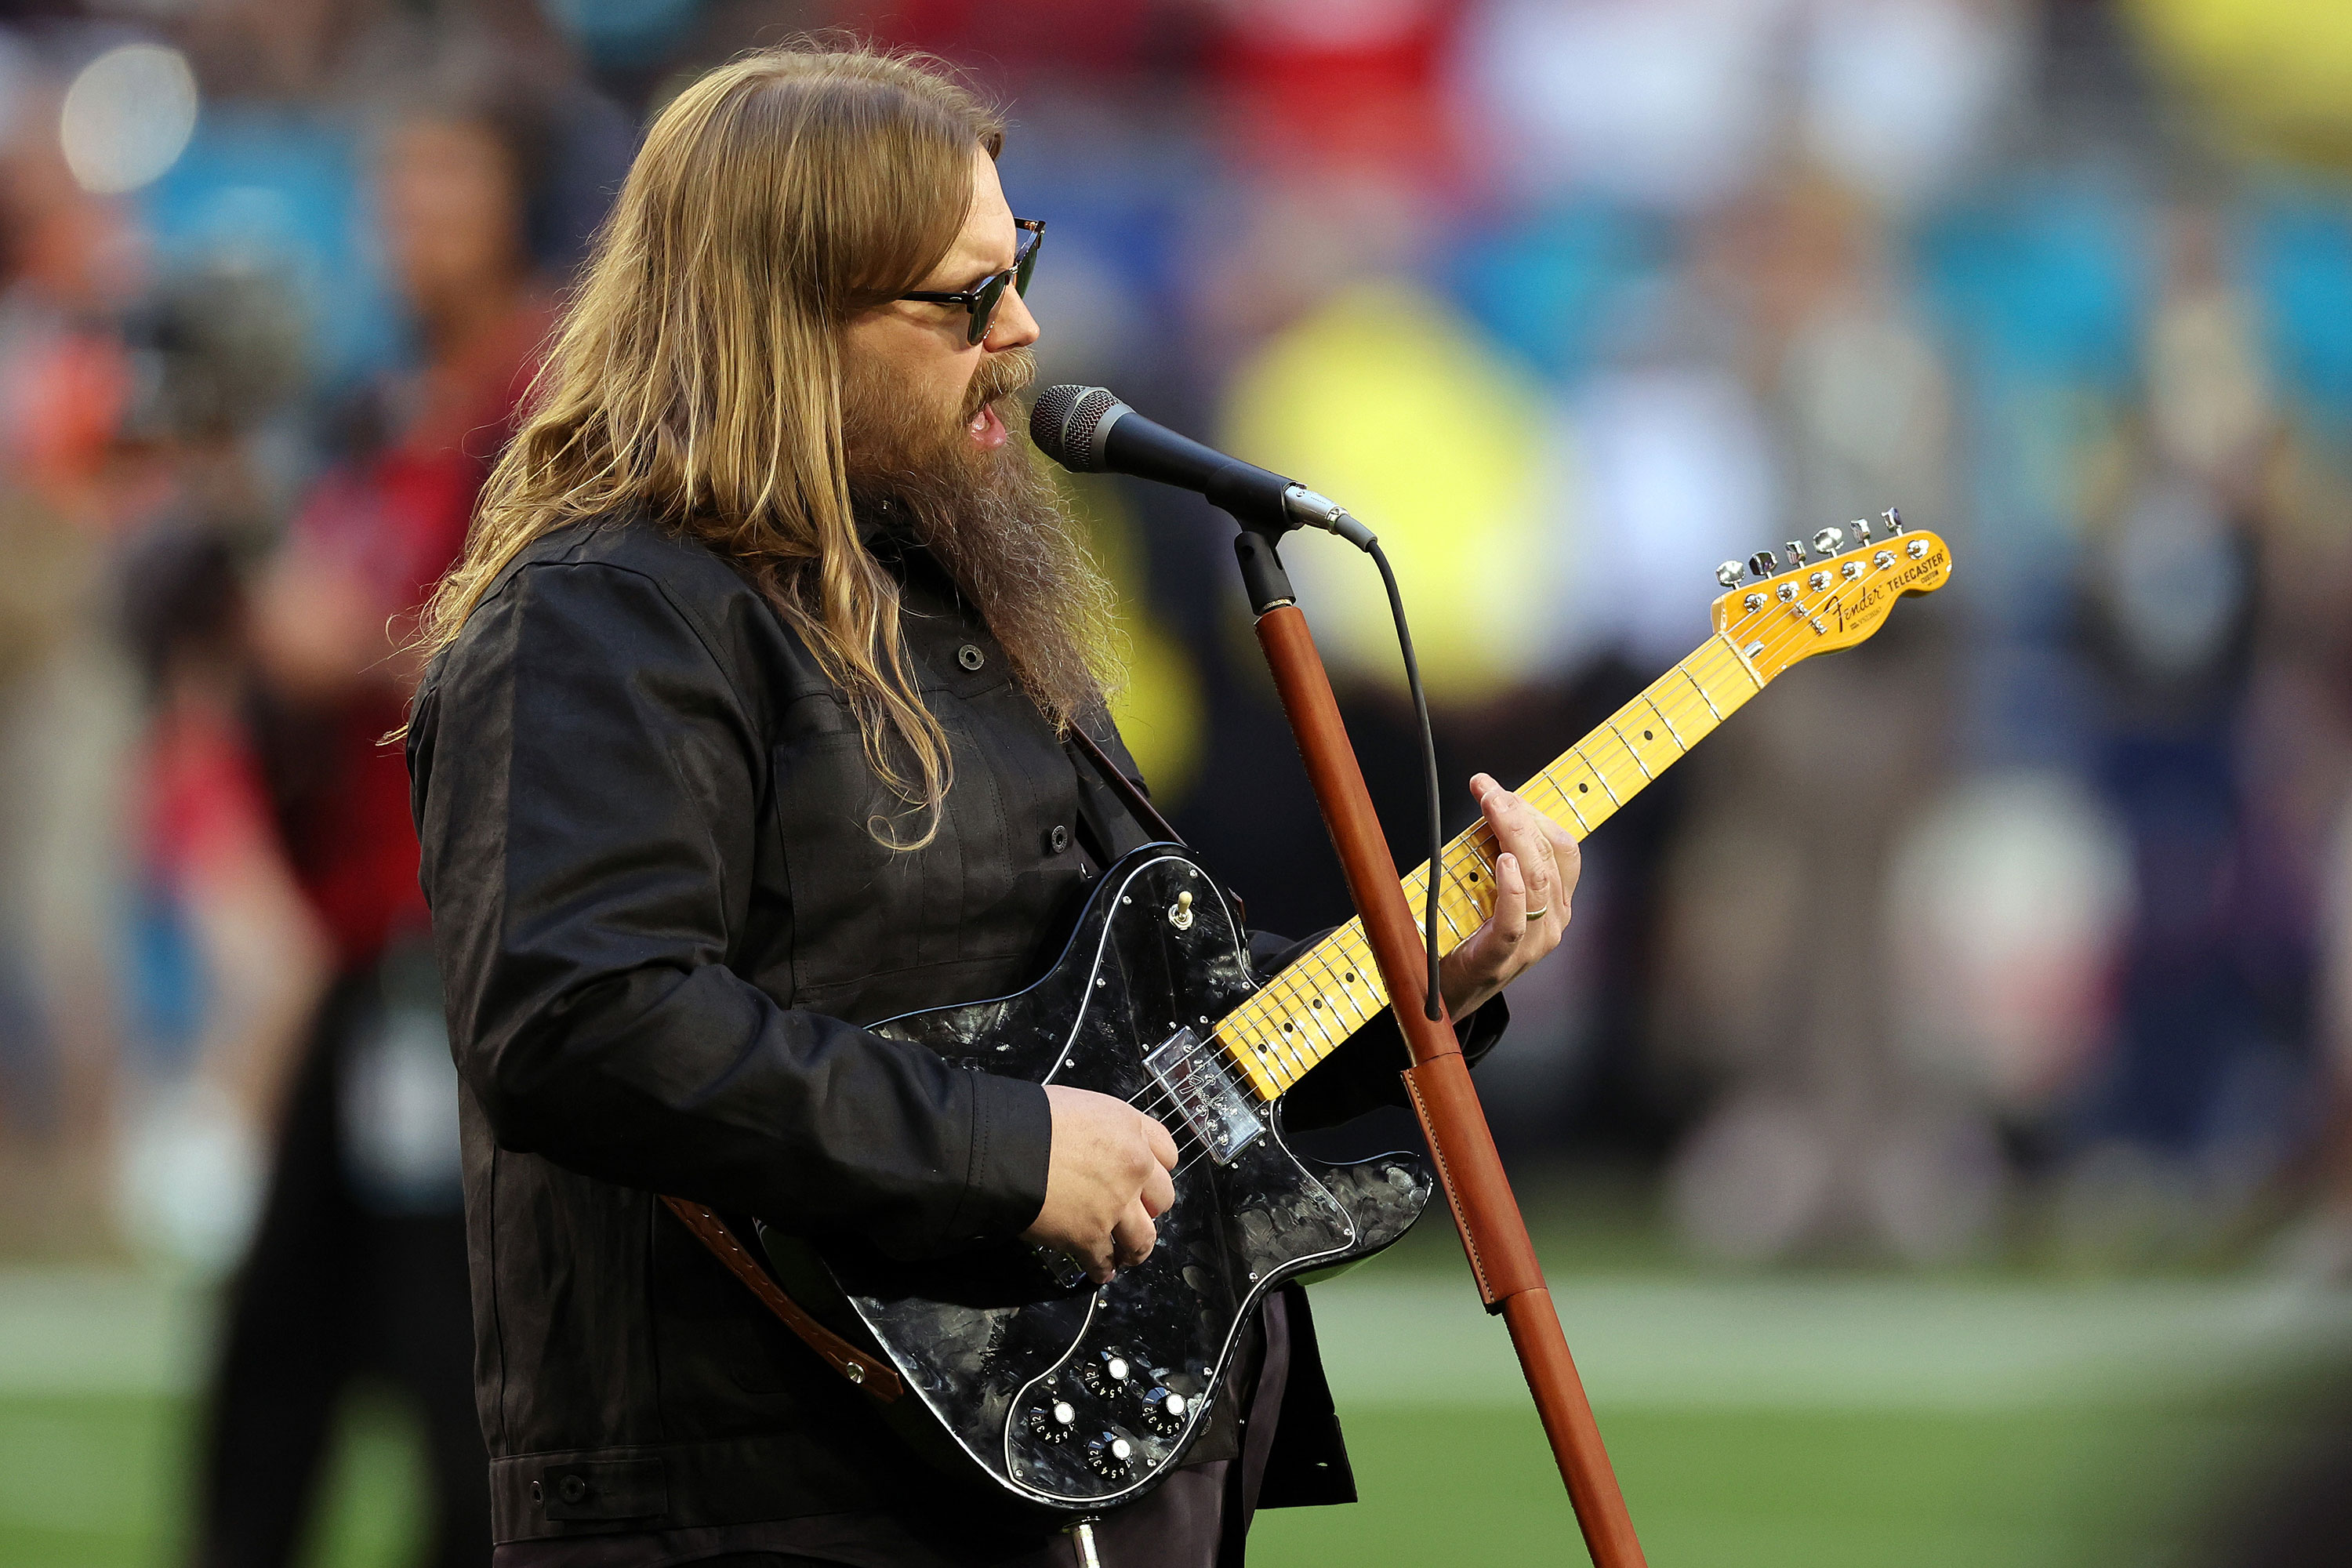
(1494, 1233)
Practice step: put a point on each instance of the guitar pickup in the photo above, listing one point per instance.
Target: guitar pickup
(1196, 1079)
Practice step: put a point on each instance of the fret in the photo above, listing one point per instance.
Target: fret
(1684, 670)
(1257, 1064)
(1280, 1034)
(1599, 776)
(1315, 1040)
(1652, 751)
(1679, 742)
(1297, 1048)
(1276, 1032)
(1303, 1017)
(1322, 1002)
(1248, 1049)
(1338, 1000)
(1590, 811)
(1304, 997)
(1646, 773)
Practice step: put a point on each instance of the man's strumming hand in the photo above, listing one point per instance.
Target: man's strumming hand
(1105, 1181)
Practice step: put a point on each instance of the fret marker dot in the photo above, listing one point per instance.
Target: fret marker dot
(1317, 1003)
(1474, 876)
(1646, 734)
(1584, 789)
(1352, 977)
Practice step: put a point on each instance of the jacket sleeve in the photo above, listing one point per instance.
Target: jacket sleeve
(588, 790)
(1367, 1070)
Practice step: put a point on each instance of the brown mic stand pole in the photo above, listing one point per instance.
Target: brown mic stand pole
(1493, 1232)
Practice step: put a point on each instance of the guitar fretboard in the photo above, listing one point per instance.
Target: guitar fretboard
(1334, 988)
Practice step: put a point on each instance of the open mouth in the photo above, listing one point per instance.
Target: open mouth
(987, 429)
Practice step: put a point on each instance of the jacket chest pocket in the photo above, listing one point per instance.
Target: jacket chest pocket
(861, 908)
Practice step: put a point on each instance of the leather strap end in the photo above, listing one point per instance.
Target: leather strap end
(869, 1373)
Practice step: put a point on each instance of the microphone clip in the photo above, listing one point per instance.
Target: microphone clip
(1271, 505)
(1268, 506)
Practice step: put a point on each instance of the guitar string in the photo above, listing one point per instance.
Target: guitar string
(1777, 643)
(1471, 843)
(1160, 1099)
(1319, 957)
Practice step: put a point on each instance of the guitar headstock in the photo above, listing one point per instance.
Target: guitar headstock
(1833, 597)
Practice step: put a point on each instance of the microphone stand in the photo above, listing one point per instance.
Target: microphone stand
(1494, 1233)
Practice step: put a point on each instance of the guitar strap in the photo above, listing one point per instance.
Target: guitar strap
(1138, 804)
(1140, 807)
(868, 1372)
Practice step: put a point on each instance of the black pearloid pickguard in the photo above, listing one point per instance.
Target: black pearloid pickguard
(984, 1338)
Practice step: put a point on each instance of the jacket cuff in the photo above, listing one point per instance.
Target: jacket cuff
(1011, 1140)
(1482, 1030)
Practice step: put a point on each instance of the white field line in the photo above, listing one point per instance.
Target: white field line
(1713, 1344)
(101, 1332)
(1832, 1344)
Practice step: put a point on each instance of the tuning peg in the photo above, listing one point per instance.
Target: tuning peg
(1729, 573)
(1827, 541)
(1796, 548)
(1762, 563)
(1861, 526)
(1893, 522)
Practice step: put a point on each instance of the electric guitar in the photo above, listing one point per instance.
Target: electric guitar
(1005, 1361)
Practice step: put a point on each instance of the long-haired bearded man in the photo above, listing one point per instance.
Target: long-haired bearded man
(748, 720)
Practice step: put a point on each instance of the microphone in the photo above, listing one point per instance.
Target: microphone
(1089, 431)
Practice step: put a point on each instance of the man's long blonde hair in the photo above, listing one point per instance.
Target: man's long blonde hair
(696, 377)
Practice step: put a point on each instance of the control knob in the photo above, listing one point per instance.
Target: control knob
(1108, 1457)
(1164, 1410)
(1105, 1375)
(1053, 1423)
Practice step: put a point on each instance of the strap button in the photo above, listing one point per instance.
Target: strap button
(573, 1488)
(970, 656)
(1058, 839)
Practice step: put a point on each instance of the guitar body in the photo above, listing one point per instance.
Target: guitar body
(1068, 1396)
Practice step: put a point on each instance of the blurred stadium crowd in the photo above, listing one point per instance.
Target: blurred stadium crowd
(2025, 930)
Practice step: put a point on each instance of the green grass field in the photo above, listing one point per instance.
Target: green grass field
(93, 1481)
(1819, 1420)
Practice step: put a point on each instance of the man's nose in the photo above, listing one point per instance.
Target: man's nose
(1012, 327)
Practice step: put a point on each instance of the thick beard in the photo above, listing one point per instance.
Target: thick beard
(997, 525)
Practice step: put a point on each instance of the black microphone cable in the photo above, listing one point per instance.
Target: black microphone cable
(1430, 1004)
(1324, 514)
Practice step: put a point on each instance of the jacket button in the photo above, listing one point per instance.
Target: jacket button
(1059, 839)
(573, 1488)
(970, 656)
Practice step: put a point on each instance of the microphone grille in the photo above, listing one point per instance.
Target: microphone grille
(1066, 425)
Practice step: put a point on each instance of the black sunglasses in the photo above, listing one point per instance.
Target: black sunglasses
(981, 301)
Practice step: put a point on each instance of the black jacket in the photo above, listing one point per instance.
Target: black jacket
(660, 917)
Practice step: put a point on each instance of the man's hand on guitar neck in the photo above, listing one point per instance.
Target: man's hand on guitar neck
(1536, 865)
(1107, 1179)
